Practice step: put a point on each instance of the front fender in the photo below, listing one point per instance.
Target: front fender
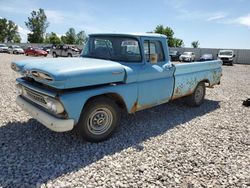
(74, 101)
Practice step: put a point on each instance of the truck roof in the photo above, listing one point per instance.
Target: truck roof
(130, 34)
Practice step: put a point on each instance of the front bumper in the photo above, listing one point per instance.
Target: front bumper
(51, 122)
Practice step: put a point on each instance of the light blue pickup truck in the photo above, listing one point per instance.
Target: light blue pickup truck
(114, 72)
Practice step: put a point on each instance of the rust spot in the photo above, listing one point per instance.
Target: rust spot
(134, 107)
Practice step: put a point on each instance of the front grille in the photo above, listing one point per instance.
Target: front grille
(224, 59)
(35, 97)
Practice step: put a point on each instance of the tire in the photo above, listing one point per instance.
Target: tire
(99, 119)
(69, 55)
(197, 98)
(26, 54)
(45, 55)
(54, 55)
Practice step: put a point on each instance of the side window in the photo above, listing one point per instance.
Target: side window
(153, 47)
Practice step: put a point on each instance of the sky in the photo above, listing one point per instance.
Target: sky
(214, 23)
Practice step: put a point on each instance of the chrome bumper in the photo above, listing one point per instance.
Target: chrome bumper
(51, 122)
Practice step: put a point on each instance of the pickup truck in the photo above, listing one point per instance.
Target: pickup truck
(115, 73)
(226, 56)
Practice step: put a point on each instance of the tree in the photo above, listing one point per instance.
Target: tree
(70, 36)
(52, 38)
(178, 43)
(37, 24)
(80, 38)
(172, 41)
(195, 44)
(3, 29)
(166, 31)
(63, 39)
(9, 31)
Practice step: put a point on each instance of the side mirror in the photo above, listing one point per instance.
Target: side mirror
(153, 58)
(234, 55)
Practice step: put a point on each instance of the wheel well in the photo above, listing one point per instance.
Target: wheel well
(114, 96)
(207, 83)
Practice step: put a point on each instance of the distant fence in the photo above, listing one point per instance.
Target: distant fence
(242, 56)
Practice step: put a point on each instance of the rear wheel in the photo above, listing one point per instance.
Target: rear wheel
(69, 55)
(197, 98)
(54, 55)
(99, 119)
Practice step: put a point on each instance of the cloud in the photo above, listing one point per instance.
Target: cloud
(23, 33)
(217, 16)
(244, 20)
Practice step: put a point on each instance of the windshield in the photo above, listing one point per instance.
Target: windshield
(226, 53)
(15, 46)
(187, 53)
(3, 45)
(112, 48)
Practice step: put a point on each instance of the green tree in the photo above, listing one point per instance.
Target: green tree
(37, 24)
(80, 38)
(178, 43)
(52, 38)
(63, 39)
(3, 29)
(168, 32)
(172, 41)
(70, 36)
(9, 31)
(17, 38)
(195, 44)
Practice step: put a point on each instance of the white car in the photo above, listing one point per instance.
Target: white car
(187, 56)
(226, 56)
(14, 49)
(3, 48)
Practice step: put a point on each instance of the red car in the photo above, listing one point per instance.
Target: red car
(35, 52)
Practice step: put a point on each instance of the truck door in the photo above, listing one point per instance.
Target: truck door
(156, 75)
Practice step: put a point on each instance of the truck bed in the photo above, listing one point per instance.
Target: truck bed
(188, 75)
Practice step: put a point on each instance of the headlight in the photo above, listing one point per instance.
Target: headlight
(54, 105)
(41, 75)
(14, 67)
(19, 89)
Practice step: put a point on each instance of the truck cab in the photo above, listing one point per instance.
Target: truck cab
(115, 71)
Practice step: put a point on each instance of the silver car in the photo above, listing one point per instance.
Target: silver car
(3, 48)
(14, 49)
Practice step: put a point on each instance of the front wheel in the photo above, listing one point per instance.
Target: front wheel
(99, 119)
(197, 98)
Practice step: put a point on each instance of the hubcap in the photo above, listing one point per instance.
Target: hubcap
(99, 121)
(199, 93)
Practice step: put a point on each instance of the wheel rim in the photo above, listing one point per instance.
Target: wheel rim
(99, 121)
(199, 93)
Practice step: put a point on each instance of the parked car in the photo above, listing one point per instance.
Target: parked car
(14, 49)
(227, 56)
(206, 57)
(65, 51)
(175, 55)
(115, 71)
(35, 52)
(3, 48)
(187, 56)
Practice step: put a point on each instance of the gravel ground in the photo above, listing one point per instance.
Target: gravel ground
(167, 146)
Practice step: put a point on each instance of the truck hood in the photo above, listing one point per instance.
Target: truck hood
(73, 72)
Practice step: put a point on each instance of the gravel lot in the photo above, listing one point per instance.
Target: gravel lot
(167, 146)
